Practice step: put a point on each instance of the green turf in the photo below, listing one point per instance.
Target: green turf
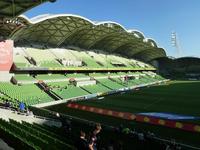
(177, 97)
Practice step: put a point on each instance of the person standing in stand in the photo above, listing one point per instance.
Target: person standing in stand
(93, 139)
(82, 143)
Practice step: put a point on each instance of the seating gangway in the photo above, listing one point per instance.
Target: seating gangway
(42, 85)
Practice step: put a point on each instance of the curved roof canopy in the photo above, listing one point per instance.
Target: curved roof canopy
(13, 8)
(73, 30)
(10, 9)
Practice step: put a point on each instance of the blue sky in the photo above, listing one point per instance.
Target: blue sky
(155, 18)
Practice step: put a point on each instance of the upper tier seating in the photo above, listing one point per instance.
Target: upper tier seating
(55, 58)
(90, 62)
(43, 58)
(100, 59)
(66, 54)
(19, 58)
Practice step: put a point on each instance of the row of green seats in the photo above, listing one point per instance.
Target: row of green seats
(96, 88)
(68, 91)
(90, 62)
(29, 93)
(111, 84)
(50, 76)
(77, 75)
(34, 136)
(52, 141)
(23, 77)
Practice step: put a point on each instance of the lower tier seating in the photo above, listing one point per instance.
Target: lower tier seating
(61, 87)
(33, 136)
(30, 93)
(96, 88)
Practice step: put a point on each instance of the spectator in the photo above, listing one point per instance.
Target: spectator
(82, 143)
(8, 104)
(93, 139)
(21, 107)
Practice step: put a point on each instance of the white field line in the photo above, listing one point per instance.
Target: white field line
(155, 102)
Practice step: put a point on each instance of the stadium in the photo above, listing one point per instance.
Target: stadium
(61, 74)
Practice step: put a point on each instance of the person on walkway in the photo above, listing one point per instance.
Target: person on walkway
(21, 107)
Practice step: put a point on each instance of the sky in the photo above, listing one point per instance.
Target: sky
(157, 19)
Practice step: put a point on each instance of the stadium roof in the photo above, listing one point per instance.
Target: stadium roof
(10, 9)
(13, 8)
(73, 30)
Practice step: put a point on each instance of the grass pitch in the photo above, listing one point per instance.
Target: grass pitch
(174, 97)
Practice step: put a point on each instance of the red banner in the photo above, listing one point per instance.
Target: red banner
(6, 55)
(122, 115)
(168, 123)
(139, 118)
